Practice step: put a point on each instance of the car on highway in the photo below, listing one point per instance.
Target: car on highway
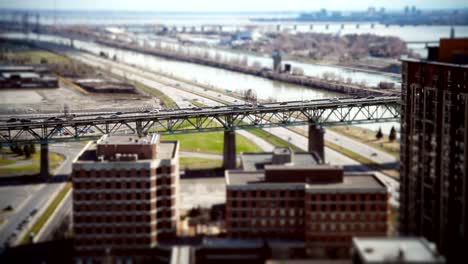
(371, 97)
(118, 113)
(24, 120)
(260, 106)
(12, 120)
(33, 212)
(154, 111)
(284, 103)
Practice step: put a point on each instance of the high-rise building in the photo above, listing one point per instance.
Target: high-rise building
(434, 153)
(125, 193)
(287, 196)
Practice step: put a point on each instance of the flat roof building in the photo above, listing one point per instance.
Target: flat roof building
(303, 201)
(125, 195)
(395, 250)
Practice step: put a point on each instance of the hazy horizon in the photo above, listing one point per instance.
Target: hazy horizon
(213, 6)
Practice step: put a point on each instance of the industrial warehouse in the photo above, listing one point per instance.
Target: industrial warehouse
(26, 77)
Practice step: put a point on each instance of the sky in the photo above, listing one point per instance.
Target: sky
(227, 5)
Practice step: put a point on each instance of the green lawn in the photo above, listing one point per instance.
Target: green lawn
(166, 100)
(197, 103)
(46, 214)
(4, 161)
(199, 163)
(210, 142)
(55, 159)
(36, 55)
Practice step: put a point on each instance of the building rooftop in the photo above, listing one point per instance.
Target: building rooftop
(257, 161)
(129, 140)
(351, 181)
(166, 149)
(396, 250)
(284, 168)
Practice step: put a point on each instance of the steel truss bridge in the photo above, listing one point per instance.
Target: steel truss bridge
(51, 128)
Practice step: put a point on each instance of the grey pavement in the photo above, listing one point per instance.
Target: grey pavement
(40, 197)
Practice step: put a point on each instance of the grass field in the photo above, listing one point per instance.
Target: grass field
(166, 100)
(210, 142)
(5, 161)
(55, 159)
(35, 56)
(367, 136)
(199, 163)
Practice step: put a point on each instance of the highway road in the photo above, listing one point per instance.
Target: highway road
(40, 198)
(58, 217)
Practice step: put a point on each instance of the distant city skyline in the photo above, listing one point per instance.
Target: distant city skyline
(227, 6)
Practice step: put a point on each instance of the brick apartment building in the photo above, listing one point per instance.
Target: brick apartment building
(289, 197)
(125, 194)
(434, 152)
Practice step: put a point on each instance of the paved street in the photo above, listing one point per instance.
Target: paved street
(40, 195)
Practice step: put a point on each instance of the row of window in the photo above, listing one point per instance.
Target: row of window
(267, 213)
(124, 230)
(123, 173)
(310, 197)
(264, 203)
(347, 197)
(114, 207)
(122, 184)
(143, 219)
(123, 196)
(269, 223)
(348, 207)
(133, 241)
(112, 196)
(348, 216)
(347, 227)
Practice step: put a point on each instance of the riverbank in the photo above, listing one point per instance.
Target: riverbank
(308, 81)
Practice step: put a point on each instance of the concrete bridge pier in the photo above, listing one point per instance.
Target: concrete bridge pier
(44, 171)
(229, 151)
(316, 140)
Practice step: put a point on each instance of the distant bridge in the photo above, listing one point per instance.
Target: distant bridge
(44, 129)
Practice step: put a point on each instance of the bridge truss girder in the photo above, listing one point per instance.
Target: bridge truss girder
(69, 130)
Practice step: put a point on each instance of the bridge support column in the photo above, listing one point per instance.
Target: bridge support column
(316, 140)
(44, 172)
(229, 151)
